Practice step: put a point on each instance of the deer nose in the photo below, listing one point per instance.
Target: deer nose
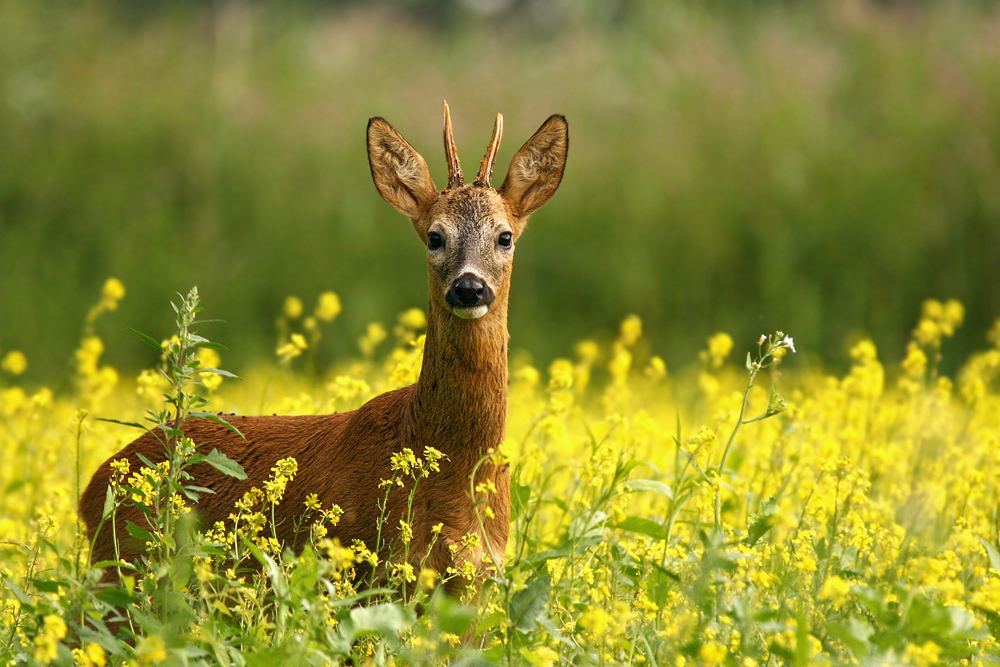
(469, 291)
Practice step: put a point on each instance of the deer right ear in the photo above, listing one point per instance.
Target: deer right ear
(537, 168)
(399, 172)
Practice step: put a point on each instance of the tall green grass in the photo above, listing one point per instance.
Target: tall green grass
(822, 167)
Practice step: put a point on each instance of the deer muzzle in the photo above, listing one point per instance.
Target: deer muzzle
(469, 296)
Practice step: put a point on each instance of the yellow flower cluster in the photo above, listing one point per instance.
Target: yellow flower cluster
(872, 493)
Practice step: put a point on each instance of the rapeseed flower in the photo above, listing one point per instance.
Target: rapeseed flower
(14, 363)
(327, 307)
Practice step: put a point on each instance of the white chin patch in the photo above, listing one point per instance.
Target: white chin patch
(473, 313)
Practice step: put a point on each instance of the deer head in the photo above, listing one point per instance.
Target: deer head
(469, 230)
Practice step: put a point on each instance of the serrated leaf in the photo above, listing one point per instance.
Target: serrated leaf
(652, 486)
(225, 465)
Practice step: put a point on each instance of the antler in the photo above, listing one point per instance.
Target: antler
(455, 179)
(486, 167)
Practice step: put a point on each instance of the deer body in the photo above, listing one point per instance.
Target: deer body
(458, 406)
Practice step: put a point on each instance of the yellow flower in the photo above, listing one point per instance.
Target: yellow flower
(151, 650)
(588, 351)
(836, 590)
(46, 643)
(543, 656)
(15, 363)
(293, 307)
(560, 374)
(405, 532)
(328, 306)
(374, 334)
(91, 656)
(717, 349)
(925, 655)
(712, 653)
(312, 502)
(209, 358)
(414, 319)
(112, 291)
(631, 330)
(657, 369)
(428, 578)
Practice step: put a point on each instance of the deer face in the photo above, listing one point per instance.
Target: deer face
(469, 230)
(470, 250)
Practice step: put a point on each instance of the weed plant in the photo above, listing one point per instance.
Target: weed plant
(697, 517)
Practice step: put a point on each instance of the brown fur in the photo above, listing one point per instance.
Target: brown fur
(459, 405)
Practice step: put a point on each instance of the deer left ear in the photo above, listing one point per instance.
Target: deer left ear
(399, 171)
(537, 169)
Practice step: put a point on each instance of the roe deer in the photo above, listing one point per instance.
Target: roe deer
(458, 406)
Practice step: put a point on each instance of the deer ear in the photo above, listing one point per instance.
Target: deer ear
(537, 169)
(399, 172)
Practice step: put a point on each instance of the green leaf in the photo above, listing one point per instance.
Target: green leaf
(993, 554)
(651, 485)
(567, 549)
(449, 614)
(762, 522)
(21, 596)
(104, 564)
(274, 573)
(225, 465)
(528, 604)
(647, 527)
(209, 344)
(218, 419)
(109, 503)
(749, 362)
(123, 423)
(46, 585)
(305, 574)
(519, 496)
(115, 596)
(139, 533)
(146, 339)
(219, 371)
(387, 620)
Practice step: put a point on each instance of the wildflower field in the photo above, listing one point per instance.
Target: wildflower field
(740, 511)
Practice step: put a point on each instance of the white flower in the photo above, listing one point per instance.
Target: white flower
(787, 342)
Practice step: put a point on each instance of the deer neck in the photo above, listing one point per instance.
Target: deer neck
(460, 401)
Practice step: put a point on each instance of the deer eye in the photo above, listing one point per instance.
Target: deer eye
(505, 239)
(434, 241)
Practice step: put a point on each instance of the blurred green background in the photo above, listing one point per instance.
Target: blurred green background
(818, 167)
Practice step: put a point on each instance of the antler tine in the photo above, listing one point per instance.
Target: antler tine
(455, 179)
(486, 167)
